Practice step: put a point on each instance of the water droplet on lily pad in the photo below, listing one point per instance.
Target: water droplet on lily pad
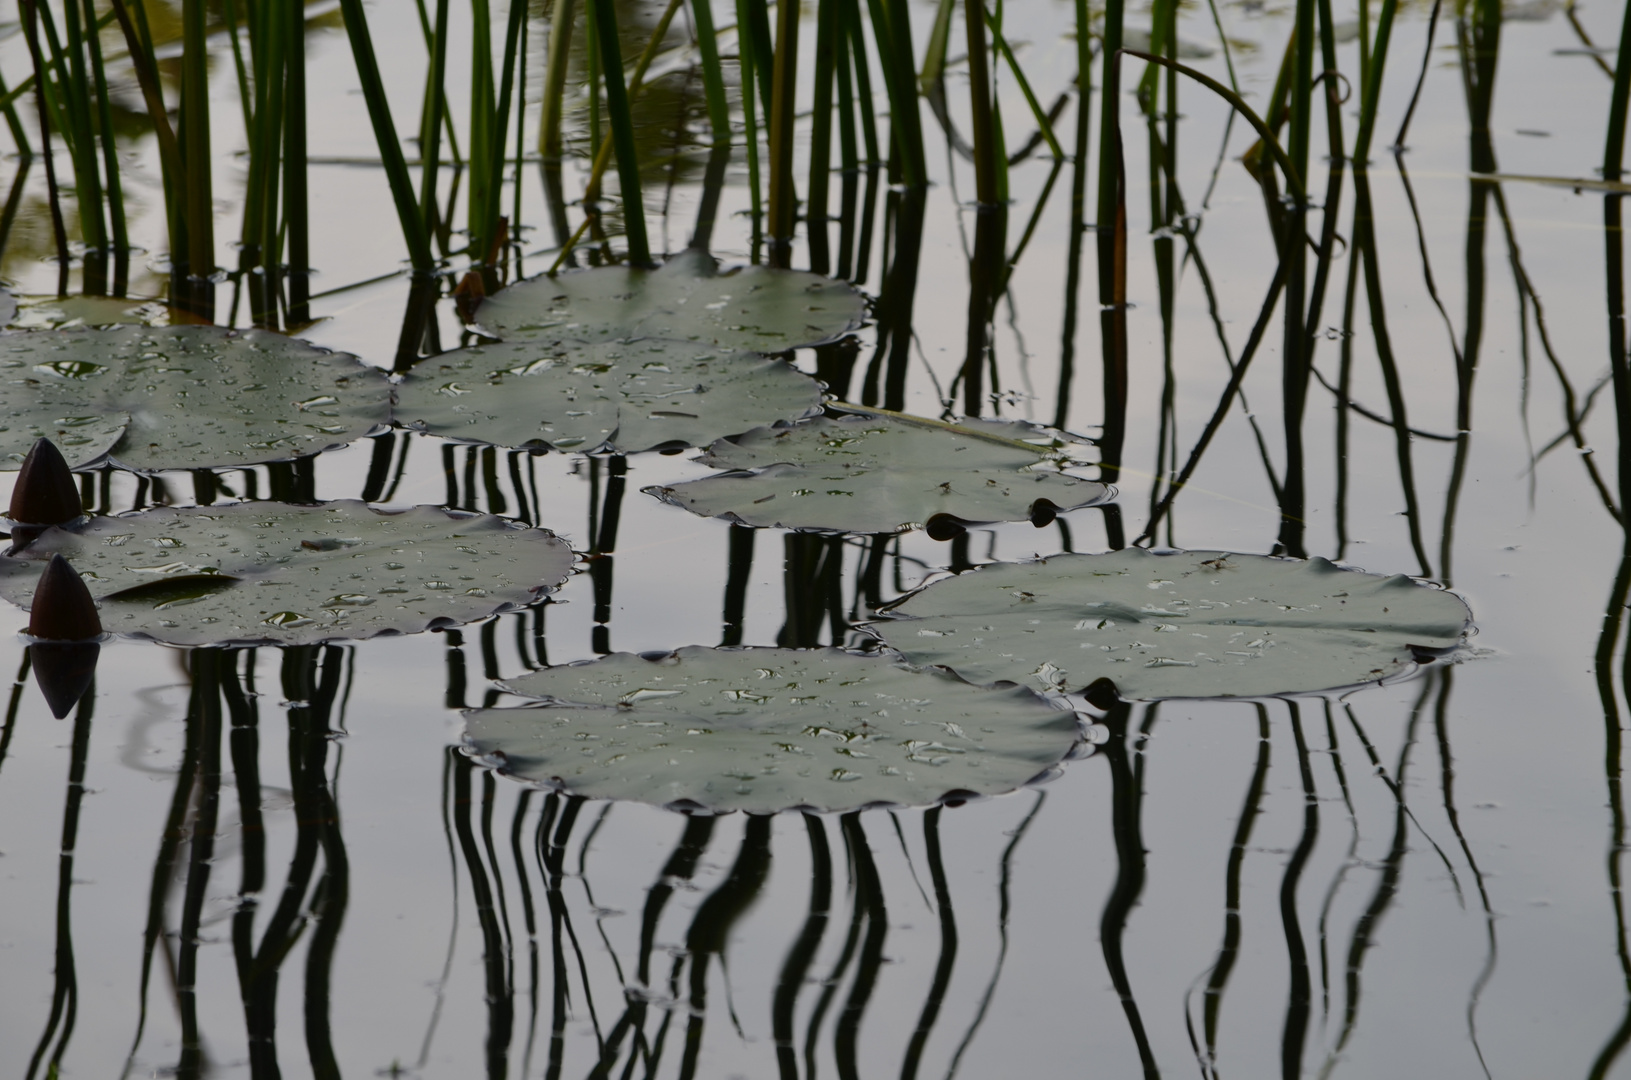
(822, 729)
(509, 397)
(748, 309)
(182, 397)
(1194, 624)
(250, 572)
(872, 471)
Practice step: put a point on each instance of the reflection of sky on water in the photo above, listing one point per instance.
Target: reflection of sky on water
(1520, 730)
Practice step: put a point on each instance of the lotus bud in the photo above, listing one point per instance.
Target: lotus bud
(63, 670)
(63, 609)
(45, 493)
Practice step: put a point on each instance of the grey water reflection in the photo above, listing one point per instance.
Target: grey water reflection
(1361, 885)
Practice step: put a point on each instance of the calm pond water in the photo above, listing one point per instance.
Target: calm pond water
(1416, 879)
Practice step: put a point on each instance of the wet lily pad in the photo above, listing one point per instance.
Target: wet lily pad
(765, 730)
(184, 397)
(750, 309)
(623, 396)
(262, 572)
(878, 472)
(1196, 624)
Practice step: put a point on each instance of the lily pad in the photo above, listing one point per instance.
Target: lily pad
(751, 309)
(185, 397)
(765, 730)
(878, 472)
(624, 396)
(1195, 624)
(249, 573)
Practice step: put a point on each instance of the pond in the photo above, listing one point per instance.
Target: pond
(1098, 670)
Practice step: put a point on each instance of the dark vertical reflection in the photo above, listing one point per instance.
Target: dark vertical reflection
(1333, 747)
(738, 576)
(711, 927)
(12, 703)
(796, 966)
(1608, 644)
(59, 1024)
(1126, 813)
(495, 948)
(204, 715)
(1078, 227)
(846, 954)
(1392, 870)
(175, 834)
(812, 587)
(550, 851)
(985, 273)
(1004, 904)
(1365, 248)
(604, 532)
(314, 677)
(1299, 1001)
(1614, 618)
(1479, 49)
(1229, 951)
(678, 870)
(14, 199)
(530, 917)
(948, 946)
(260, 1008)
(379, 466)
(1112, 251)
(713, 183)
(869, 905)
(892, 355)
(1441, 728)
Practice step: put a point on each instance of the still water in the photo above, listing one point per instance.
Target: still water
(1418, 879)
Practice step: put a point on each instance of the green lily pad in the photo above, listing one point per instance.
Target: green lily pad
(188, 397)
(751, 309)
(1195, 624)
(766, 730)
(82, 438)
(249, 573)
(879, 472)
(623, 396)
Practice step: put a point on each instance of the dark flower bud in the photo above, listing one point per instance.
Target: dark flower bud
(63, 670)
(45, 493)
(63, 609)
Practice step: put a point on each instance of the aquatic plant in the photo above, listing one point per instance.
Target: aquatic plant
(263, 572)
(767, 730)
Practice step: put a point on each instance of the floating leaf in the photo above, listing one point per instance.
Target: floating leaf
(246, 573)
(627, 396)
(1195, 624)
(751, 309)
(182, 397)
(879, 472)
(765, 730)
